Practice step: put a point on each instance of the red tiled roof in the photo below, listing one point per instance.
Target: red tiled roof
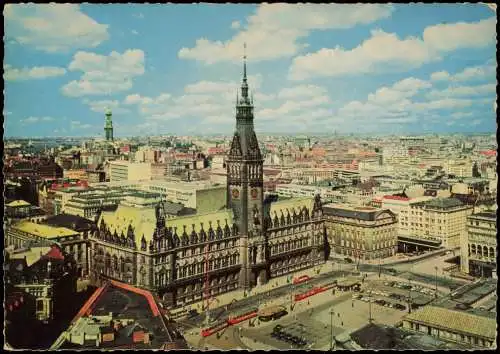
(395, 197)
(145, 293)
(88, 306)
(215, 150)
(488, 152)
(54, 253)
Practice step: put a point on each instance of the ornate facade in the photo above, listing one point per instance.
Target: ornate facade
(184, 258)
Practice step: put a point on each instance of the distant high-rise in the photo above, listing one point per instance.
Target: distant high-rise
(108, 126)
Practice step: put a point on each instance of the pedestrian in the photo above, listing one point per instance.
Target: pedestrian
(342, 323)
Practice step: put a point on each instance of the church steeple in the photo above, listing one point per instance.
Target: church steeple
(108, 126)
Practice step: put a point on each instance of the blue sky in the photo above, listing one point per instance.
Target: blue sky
(175, 69)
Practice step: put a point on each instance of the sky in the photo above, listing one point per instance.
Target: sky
(176, 69)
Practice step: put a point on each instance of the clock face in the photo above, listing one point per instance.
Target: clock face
(254, 193)
(235, 193)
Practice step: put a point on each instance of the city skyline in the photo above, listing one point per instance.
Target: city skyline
(328, 72)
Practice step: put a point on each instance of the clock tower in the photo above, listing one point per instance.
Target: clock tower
(244, 167)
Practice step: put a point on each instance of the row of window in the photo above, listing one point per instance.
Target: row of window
(213, 264)
(478, 250)
(362, 246)
(188, 252)
(289, 246)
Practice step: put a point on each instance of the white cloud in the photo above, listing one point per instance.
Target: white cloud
(201, 99)
(301, 91)
(475, 122)
(149, 105)
(254, 82)
(372, 55)
(464, 91)
(53, 27)
(76, 124)
(453, 36)
(32, 120)
(235, 25)
(299, 101)
(399, 104)
(487, 71)
(460, 115)
(402, 89)
(386, 103)
(446, 103)
(440, 76)
(102, 105)
(134, 32)
(260, 97)
(274, 30)
(104, 74)
(37, 72)
(473, 73)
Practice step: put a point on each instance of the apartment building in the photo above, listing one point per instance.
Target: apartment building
(361, 232)
(401, 207)
(120, 170)
(441, 218)
(24, 234)
(478, 248)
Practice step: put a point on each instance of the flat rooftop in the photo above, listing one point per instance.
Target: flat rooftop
(45, 231)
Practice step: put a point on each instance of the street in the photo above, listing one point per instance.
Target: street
(316, 318)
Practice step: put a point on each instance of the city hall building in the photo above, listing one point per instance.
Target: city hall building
(243, 245)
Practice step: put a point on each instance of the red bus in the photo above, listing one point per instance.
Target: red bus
(301, 279)
(329, 285)
(219, 326)
(241, 316)
(309, 293)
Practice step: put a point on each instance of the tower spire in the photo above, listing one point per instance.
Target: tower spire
(245, 62)
(244, 85)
